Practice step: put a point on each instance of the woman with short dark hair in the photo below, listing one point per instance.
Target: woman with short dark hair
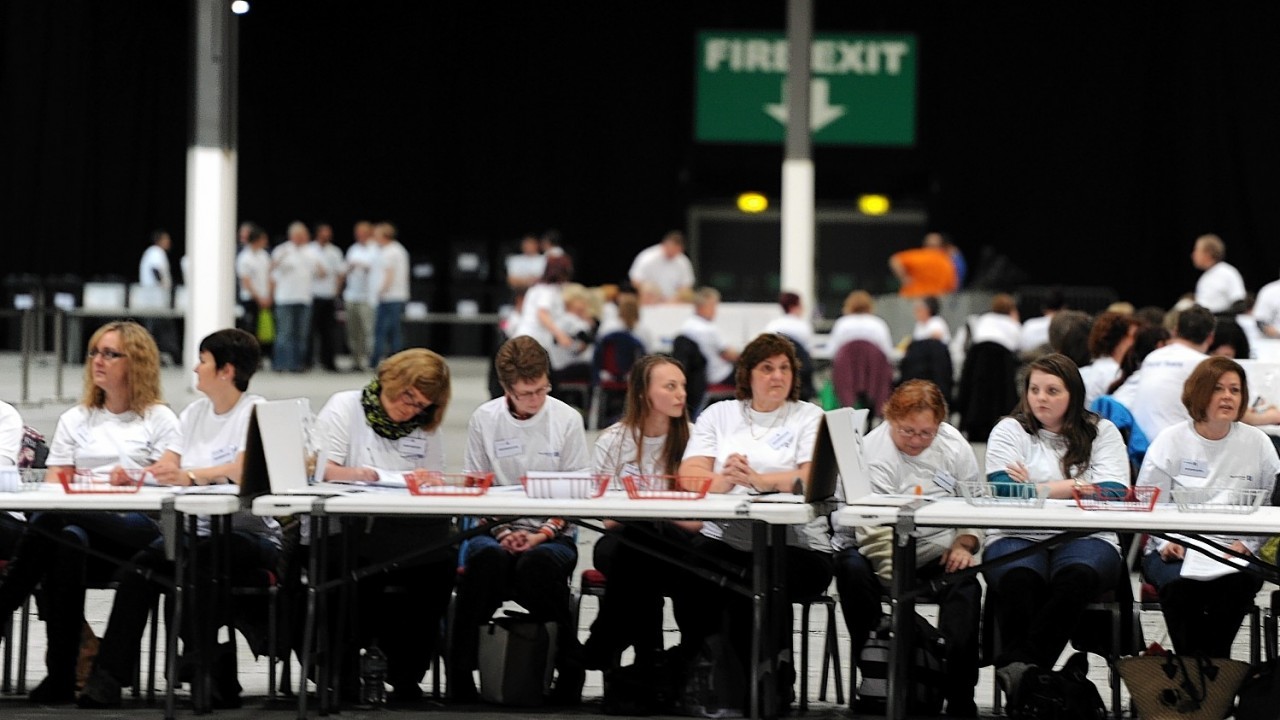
(1203, 600)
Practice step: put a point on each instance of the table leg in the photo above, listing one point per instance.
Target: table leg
(902, 614)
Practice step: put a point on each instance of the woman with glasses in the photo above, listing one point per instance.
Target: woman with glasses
(1214, 453)
(392, 424)
(120, 424)
(528, 560)
(915, 452)
(210, 452)
(761, 442)
(1049, 445)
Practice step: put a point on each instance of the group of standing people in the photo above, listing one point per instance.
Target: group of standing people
(298, 285)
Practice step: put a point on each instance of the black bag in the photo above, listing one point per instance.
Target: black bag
(1065, 694)
(649, 688)
(715, 682)
(1260, 693)
(928, 670)
(517, 660)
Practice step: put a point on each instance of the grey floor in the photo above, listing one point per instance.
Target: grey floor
(469, 390)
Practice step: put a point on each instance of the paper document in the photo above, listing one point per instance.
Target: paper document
(1203, 563)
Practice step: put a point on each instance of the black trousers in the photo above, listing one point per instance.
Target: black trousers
(324, 329)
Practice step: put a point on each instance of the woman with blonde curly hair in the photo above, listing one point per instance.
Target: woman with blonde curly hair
(120, 424)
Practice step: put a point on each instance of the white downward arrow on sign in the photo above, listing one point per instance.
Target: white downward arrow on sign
(821, 112)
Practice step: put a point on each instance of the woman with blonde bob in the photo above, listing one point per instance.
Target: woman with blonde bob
(1203, 600)
(392, 424)
(860, 323)
(120, 424)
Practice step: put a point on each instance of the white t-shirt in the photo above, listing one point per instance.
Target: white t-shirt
(1127, 393)
(360, 258)
(330, 258)
(999, 328)
(520, 265)
(948, 459)
(861, 326)
(798, 329)
(1157, 402)
(552, 440)
(155, 262)
(392, 258)
(1181, 457)
(210, 439)
(935, 328)
(773, 442)
(95, 439)
(562, 357)
(1035, 332)
(1266, 309)
(543, 296)
(707, 336)
(295, 266)
(11, 429)
(256, 266)
(1219, 287)
(350, 441)
(1098, 376)
(615, 454)
(1042, 455)
(668, 275)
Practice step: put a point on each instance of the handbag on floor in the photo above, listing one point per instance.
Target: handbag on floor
(927, 670)
(517, 660)
(1165, 687)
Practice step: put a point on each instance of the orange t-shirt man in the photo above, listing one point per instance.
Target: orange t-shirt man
(924, 272)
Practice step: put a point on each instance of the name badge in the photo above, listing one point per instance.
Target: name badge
(507, 448)
(224, 455)
(1195, 468)
(412, 446)
(781, 439)
(943, 479)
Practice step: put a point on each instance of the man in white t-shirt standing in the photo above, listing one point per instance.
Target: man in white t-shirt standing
(1266, 309)
(154, 271)
(1220, 284)
(253, 270)
(331, 266)
(662, 272)
(700, 328)
(292, 269)
(388, 292)
(525, 268)
(355, 295)
(1158, 403)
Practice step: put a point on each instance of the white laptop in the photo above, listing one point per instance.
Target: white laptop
(274, 456)
(839, 453)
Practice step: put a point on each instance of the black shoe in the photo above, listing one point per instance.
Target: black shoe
(53, 692)
(568, 689)
(101, 691)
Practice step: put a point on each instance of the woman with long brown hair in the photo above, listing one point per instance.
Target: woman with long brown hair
(649, 440)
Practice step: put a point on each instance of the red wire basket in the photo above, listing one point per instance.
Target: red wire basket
(1096, 497)
(666, 487)
(440, 483)
(568, 487)
(121, 480)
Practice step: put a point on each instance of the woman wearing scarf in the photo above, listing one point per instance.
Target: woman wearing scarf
(392, 424)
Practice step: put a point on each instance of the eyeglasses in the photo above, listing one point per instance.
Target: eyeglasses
(407, 398)
(108, 355)
(540, 392)
(912, 433)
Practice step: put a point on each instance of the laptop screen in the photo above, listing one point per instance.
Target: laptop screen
(838, 464)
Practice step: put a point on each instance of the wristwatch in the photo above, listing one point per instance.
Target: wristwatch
(191, 475)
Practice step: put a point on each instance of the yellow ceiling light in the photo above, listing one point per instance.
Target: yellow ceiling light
(873, 204)
(752, 202)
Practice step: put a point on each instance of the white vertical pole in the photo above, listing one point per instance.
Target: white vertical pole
(797, 260)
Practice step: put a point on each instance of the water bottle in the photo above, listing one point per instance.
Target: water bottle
(373, 675)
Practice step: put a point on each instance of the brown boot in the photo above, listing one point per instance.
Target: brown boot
(88, 653)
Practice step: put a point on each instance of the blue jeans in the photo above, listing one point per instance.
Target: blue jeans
(293, 324)
(387, 337)
(1039, 598)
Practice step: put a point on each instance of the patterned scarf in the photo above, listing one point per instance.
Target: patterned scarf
(382, 424)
